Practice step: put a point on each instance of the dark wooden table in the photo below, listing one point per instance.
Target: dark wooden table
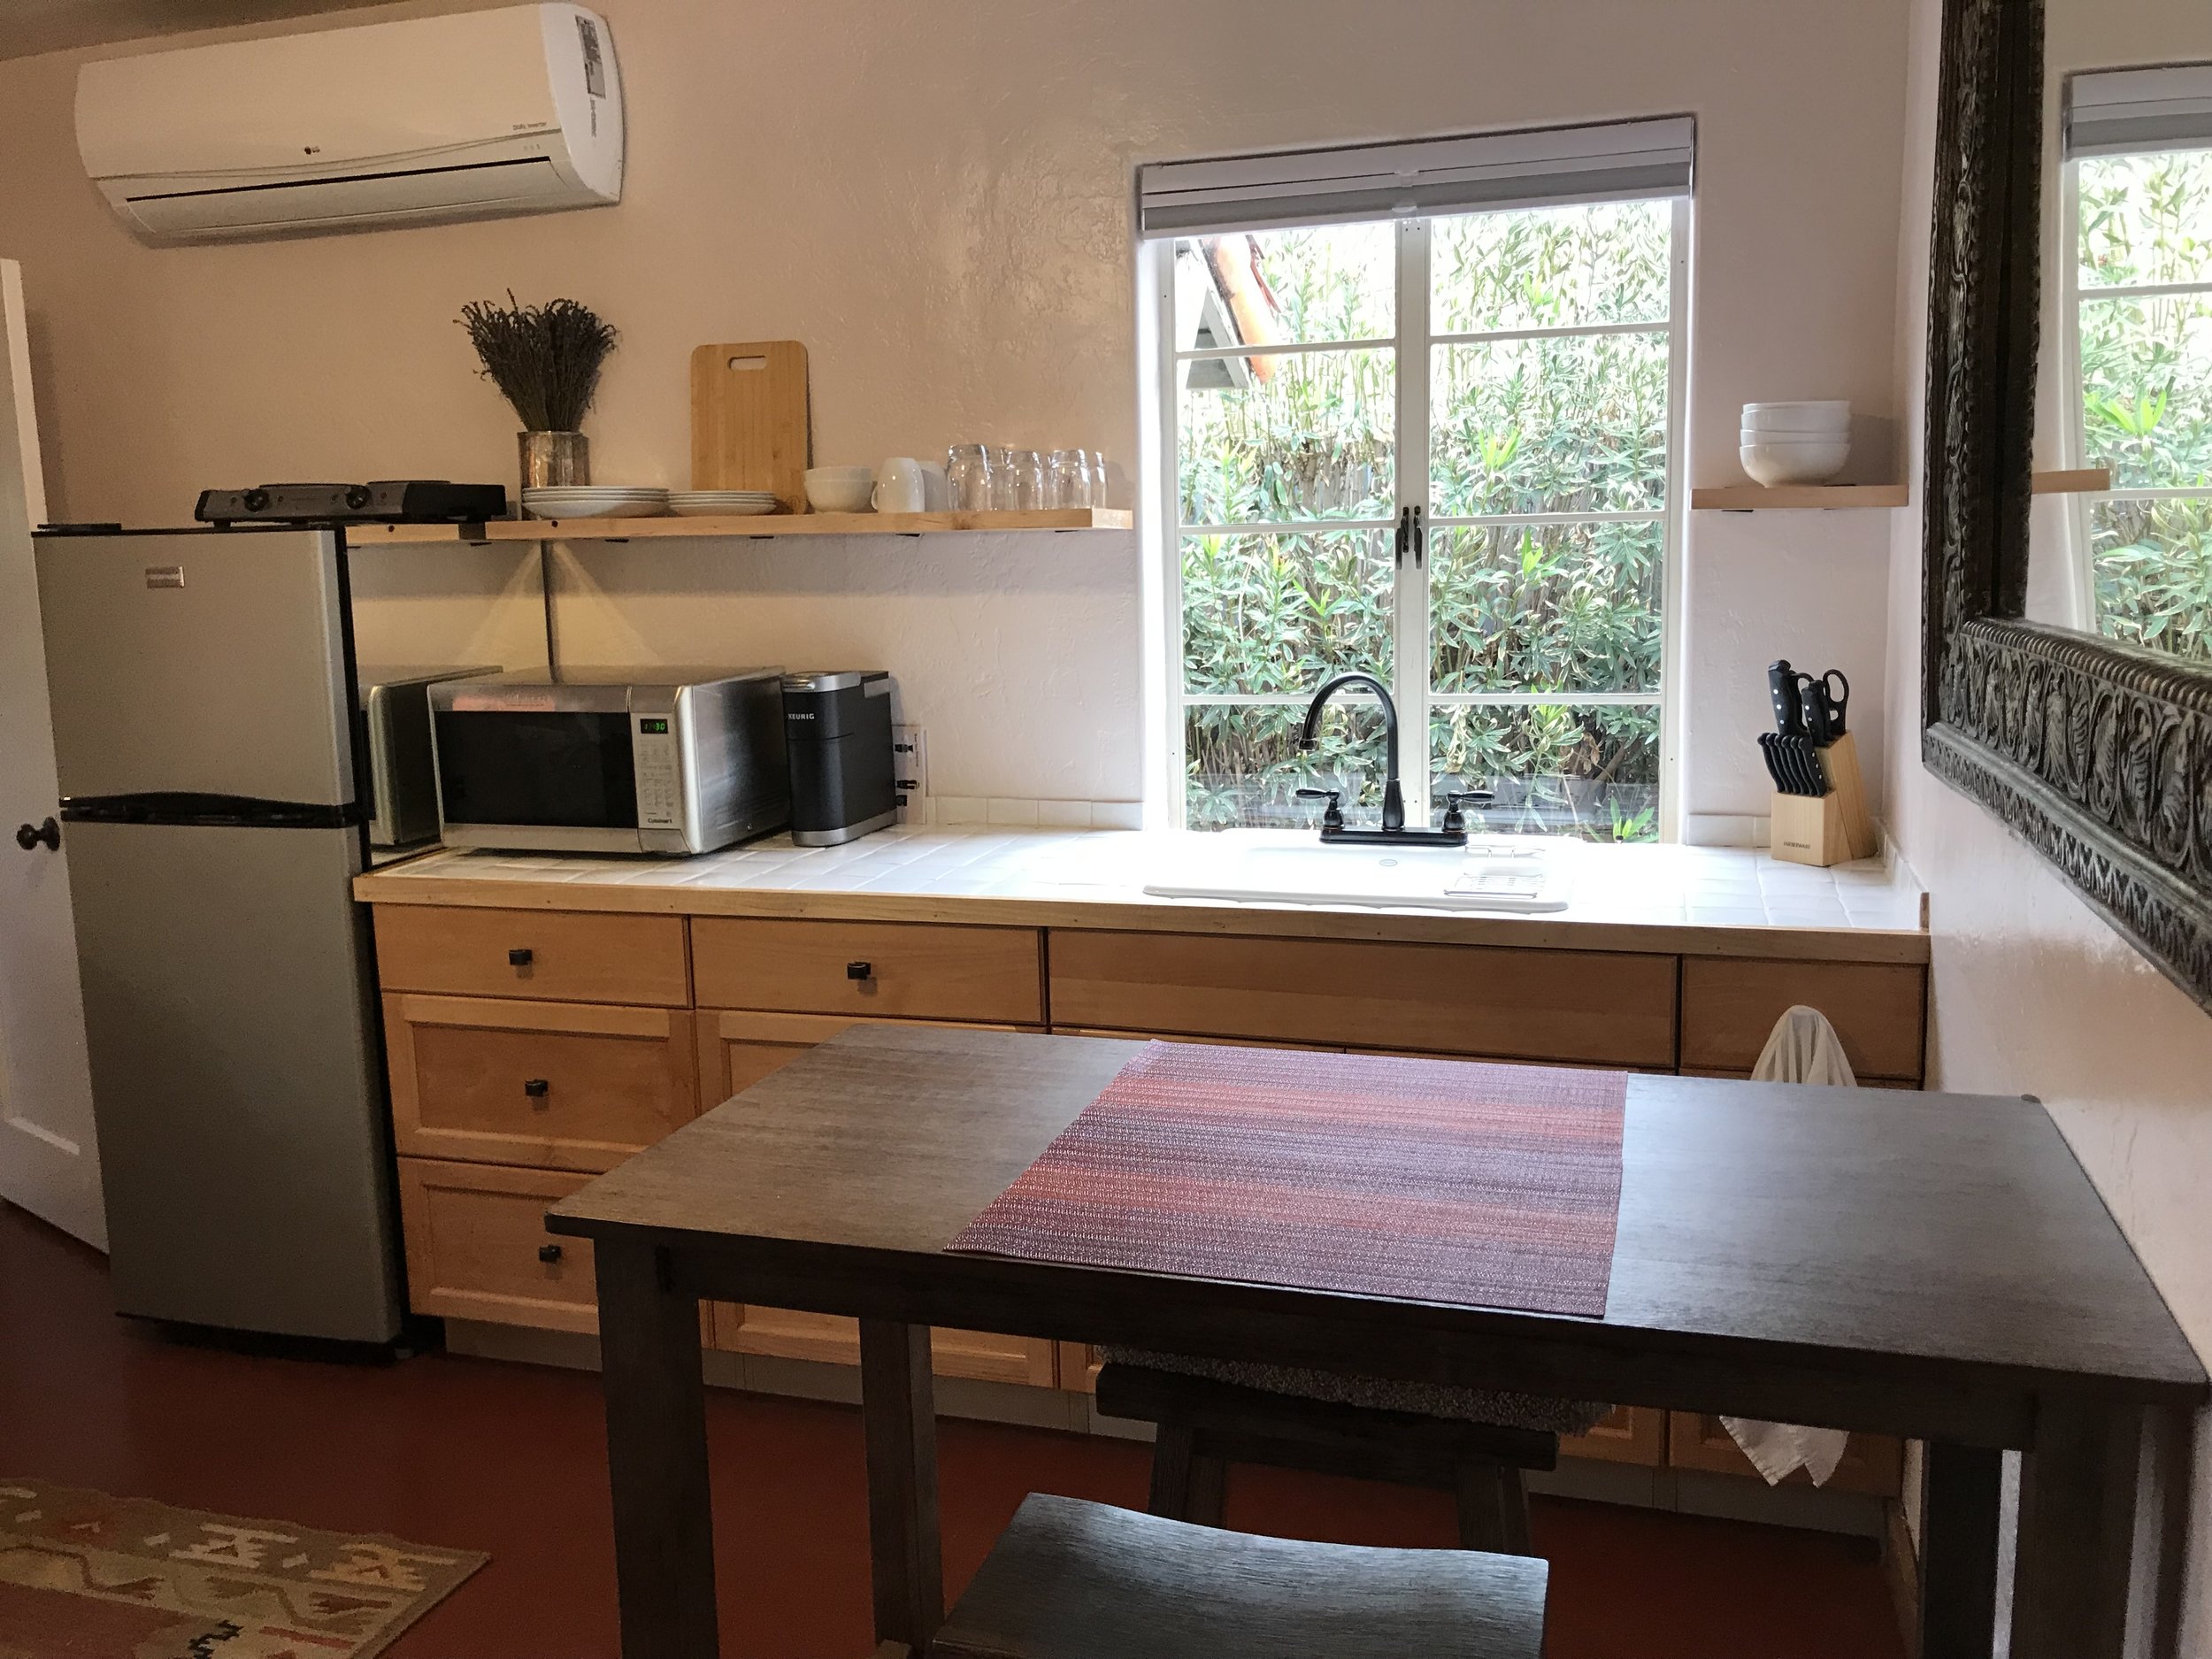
(1934, 1266)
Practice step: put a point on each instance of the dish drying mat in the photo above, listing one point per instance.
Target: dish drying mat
(1431, 1181)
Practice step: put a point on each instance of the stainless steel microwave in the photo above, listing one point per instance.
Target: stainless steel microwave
(394, 735)
(660, 760)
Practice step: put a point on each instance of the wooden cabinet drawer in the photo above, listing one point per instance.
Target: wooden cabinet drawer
(914, 969)
(564, 956)
(477, 1247)
(555, 1086)
(1729, 1007)
(1872, 1464)
(1632, 1434)
(738, 1048)
(1593, 1007)
(827, 1338)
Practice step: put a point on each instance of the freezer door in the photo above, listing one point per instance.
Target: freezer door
(210, 664)
(234, 1083)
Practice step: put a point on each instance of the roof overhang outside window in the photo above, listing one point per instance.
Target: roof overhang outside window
(2139, 111)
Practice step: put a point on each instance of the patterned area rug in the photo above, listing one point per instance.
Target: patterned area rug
(85, 1576)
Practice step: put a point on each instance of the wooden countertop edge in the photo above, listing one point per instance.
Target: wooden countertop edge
(1531, 932)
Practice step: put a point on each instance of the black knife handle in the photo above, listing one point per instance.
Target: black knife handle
(1789, 716)
(1812, 703)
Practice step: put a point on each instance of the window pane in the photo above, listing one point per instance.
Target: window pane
(1575, 424)
(1264, 613)
(1309, 436)
(1551, 267)
(1545, 607)
(2146, 389)
(2146, 218)
(1588, 773)
(2154, 573)
(1245, 763)
(1287, 286)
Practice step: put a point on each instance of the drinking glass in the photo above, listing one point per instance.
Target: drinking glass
(1018, 484)
(969, 471)
(1094, 463)
(1067, 480)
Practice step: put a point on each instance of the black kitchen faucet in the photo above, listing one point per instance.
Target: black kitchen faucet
(1393, 831)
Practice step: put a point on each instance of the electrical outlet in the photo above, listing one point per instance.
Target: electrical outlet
(910, 765)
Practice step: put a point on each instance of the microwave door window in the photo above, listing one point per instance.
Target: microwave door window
(510, 767)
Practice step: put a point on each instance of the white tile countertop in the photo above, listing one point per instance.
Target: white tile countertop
(1703, 900)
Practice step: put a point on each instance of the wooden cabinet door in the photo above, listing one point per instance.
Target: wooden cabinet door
(477, 1247)
(1729, 1007)
(1632, 1434)
(547, 1085)
(1596, 1007)
(736, 1049)
(1872, 1464)
(869, 970)
(548, 955)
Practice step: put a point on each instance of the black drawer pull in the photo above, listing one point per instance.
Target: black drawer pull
(520, 958)
(857, 971)
(537, 1088)
(549, 1254)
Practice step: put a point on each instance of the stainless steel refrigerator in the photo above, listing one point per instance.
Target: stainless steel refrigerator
(204, 727)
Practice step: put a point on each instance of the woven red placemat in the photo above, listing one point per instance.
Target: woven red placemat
(1431, 1181)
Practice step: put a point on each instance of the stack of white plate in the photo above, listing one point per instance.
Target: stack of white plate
(1795, 444)
(594, 501)
(721, 504)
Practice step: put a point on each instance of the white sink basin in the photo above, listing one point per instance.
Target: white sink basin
(1491, 875)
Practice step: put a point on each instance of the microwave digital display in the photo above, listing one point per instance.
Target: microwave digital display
(653, 728)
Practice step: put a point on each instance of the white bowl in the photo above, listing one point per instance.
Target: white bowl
(1824, 418)
(840, 494)
(1812, 461)
(841, 474)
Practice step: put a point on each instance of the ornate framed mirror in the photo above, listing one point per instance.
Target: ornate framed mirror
(2066, 684)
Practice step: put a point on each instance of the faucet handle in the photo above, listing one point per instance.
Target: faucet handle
(1334, 818)
(1452, 822)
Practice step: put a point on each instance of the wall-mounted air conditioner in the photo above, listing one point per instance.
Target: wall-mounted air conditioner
(516, 110)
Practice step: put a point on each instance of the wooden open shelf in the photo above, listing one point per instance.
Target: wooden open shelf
(763, 528)
(1832, 498)
(1798, 497)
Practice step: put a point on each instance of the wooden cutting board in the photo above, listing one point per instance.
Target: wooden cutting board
(749, 419)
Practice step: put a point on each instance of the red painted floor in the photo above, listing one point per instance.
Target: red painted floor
(509, 1459)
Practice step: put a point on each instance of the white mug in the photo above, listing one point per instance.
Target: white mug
(901, 487)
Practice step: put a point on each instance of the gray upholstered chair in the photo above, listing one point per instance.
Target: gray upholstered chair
(1074, 1581)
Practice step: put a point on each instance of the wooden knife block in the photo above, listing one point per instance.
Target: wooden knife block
(1835, 827)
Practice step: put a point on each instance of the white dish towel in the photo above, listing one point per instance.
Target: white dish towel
(1802, 1048)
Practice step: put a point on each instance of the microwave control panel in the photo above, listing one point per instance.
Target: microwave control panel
(660, 791)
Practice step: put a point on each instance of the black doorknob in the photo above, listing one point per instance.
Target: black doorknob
(549, 1254)
(47, 836)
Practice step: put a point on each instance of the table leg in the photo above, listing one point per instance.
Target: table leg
(657, 1456)
(899, 1415)
(2078, 1486)
(1958, 1552)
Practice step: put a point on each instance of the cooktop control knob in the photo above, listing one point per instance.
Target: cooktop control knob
(257, 501)
(356, 496)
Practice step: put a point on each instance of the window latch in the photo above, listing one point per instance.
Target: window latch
(1405, 534)
(1420, 539)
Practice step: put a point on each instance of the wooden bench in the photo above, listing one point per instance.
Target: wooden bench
(1073, 1580)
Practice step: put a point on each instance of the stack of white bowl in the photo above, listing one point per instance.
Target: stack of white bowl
(1795, 444)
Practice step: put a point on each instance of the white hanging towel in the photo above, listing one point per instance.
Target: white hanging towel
(1803, 1048)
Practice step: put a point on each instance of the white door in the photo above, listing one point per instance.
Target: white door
(49, 1163)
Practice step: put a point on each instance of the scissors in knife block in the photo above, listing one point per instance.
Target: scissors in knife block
(1825, 701)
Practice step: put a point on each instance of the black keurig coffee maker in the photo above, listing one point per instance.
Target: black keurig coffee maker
(837, 728)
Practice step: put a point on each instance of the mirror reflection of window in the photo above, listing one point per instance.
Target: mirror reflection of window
(2139, 301)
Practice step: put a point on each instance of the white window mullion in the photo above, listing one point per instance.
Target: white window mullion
(1175, 757)
(1411, 676)
(1675, 587)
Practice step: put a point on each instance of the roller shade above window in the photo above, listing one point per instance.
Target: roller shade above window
(2136, 112)
(1547, 167)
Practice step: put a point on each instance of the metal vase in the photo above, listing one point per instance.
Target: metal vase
(554, 458)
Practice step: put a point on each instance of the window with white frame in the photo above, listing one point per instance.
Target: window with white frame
(1436, 446)
(2138, 300)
